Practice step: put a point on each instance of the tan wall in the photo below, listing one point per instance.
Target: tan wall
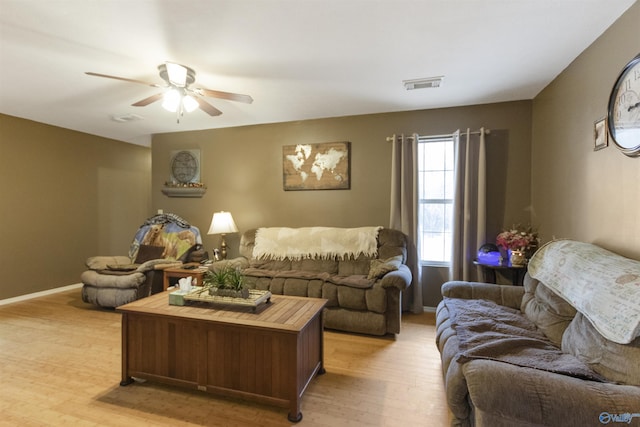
(64, 196)
(578, 193)
(242, 168)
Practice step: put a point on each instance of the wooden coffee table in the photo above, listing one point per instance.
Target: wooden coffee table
(269, 356)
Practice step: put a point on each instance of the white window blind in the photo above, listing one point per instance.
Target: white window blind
(435, 192)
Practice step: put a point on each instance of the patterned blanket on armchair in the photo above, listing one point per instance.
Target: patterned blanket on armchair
(169, 231)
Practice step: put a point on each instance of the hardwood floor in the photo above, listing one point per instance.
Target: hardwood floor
(60, 364)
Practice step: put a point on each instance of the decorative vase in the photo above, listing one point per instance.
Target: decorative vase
(517, 257)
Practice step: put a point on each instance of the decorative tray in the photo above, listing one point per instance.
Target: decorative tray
(256, 297)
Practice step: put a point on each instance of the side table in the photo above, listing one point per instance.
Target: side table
(179, 272)
(515, 272)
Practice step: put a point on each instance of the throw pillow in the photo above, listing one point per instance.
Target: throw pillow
(147, 253)
(380, 267)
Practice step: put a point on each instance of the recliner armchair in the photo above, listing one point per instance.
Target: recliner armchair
(164, 240)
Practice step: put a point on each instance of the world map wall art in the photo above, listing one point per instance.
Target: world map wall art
(322, 166)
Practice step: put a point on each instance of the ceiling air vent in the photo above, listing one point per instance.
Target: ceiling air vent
(124, 118)
(423, 83)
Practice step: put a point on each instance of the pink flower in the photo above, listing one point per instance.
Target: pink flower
(518, 237)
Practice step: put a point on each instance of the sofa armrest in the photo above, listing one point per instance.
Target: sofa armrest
(157, 264)
(506, 295)
(505, 394)
(234, 263)
(400, 278)
(100, 262)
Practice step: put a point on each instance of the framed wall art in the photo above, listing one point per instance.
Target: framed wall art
(322, 166)
(600, 134)
(185, 166)
(184, 180)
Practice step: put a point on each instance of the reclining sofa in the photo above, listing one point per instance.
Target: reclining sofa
(561, 351)
(363, 286)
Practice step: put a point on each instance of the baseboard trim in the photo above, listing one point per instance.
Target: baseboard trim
(429, 309)
(39, 294)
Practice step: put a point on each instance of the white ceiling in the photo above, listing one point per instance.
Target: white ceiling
(298, 59)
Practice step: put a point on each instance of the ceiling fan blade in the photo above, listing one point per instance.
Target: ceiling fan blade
(225, 95)
(149, 100)
(206, 107)
(122, 78)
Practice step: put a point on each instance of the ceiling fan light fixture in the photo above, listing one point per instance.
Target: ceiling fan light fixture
(189, 103)
(177, 74)
(171, 100)
(178, 97)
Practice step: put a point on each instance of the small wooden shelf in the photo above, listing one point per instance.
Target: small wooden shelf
(184, 191)
(516, 272)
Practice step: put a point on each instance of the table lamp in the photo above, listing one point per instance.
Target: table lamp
(222, 223)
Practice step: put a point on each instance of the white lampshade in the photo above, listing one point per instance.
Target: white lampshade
(222, 223)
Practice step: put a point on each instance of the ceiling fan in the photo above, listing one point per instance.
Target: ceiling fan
(178, 95)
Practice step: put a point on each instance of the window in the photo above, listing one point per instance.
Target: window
(435, 191)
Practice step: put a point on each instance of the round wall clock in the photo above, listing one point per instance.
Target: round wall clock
(624, 109)
(184, 167)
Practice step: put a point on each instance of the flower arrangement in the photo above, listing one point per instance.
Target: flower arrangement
(518, 238)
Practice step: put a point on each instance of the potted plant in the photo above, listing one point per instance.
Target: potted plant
(226, 282)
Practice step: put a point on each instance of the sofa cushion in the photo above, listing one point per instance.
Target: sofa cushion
(351, 298)
(391, 243)
(314, 289)
(102, 262)
(270, 264)
(616, 362)
(319, 265)
(376, 299)
(117, 272)
(363, 322)
(487, 330)
(148, 252)
(295, 287)
(355, 281)
(351, 267)
(330, 293)
(380, 267)
(550, 313)
(95, 279)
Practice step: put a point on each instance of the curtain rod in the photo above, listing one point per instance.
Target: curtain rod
(446, 135)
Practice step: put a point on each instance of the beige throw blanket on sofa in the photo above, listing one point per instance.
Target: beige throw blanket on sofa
(315, 242)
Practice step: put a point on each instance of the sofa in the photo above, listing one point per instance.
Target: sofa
(562, 350)
(360, 271)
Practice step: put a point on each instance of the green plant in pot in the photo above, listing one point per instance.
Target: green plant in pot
(227, 282)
